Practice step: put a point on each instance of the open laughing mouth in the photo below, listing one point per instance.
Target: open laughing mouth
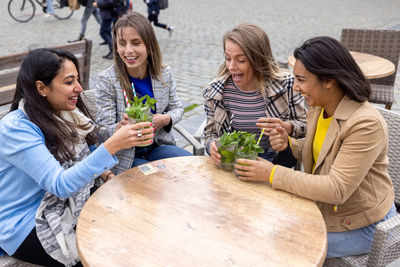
(237, 77)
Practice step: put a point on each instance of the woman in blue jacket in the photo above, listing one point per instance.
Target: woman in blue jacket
(46, 168)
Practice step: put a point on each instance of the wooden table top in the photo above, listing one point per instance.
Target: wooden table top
(191, 213)
(372, 66)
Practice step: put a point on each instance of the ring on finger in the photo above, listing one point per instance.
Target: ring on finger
(140, 135)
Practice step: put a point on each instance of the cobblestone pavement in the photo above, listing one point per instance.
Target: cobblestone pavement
(195, 49)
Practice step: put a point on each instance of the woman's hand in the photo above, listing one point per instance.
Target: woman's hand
(124, 121)
(130, 135)
(160, 120)
(271, 123)
(107, 175)
(215, 156)
(253, 170)
(278, 139)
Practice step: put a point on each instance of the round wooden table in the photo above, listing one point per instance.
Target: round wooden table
(372, 66)
(191, 213)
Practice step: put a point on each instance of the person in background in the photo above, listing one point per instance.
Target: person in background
(344, 152)
(46, 167)
(109, 13)
(89, 10)
(251, 93)
(49, 9)
(138, 61)
(153, 10)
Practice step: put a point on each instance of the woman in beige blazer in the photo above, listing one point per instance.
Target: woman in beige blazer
(344, 152)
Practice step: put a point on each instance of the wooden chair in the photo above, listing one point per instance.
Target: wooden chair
(8, 261)
(386, 244)
(382, 43)
(9, 67)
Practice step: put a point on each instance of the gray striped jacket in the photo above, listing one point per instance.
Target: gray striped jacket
(111, 106)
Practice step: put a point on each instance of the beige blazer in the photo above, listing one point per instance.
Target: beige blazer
(351, 171)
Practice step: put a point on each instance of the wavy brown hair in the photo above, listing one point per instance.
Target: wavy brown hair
(256, 46)
(146, 32)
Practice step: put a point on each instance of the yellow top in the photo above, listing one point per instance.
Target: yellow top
(319, 137)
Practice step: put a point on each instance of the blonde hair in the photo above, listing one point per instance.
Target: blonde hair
(255, 44)
(146, 32)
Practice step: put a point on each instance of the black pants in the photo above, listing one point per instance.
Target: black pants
(154, 18)
(285, 158)
(31, 249)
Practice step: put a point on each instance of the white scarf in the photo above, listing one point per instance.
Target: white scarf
(56, 218)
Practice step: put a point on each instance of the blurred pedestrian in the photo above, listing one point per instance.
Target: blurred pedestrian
(89, 10)
(109, 13)
(49, 9)
(153, 9)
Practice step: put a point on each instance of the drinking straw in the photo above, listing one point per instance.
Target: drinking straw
(126, 99)
(230, 122)
(133, 89)
(259, 138)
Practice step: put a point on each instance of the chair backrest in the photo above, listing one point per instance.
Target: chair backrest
(393, 122)
(89, 98)
(9, 67)
(382, 43)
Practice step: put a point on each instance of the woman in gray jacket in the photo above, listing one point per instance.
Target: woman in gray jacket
(138, 61)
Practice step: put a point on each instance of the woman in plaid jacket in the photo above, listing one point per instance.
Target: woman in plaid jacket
(138, 60)
(251, 93)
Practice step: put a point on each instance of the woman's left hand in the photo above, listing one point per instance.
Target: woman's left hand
(125, 121)
(160, 120)
(271, 123)
(107, 175)
(253, 170)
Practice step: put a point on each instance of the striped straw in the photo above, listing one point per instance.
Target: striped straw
(259, 138)
(126, 99)
(133, 89)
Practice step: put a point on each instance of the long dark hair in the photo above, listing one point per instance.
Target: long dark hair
(329, 59)
(43, 65)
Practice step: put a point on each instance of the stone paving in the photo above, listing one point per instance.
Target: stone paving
(195, 49)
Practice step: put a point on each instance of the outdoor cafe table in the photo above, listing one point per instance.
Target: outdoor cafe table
(189, 212)
(372, 66)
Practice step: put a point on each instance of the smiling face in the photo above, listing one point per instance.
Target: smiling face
(63, 91)
(133, 52)
(309, 85)
(239, 67)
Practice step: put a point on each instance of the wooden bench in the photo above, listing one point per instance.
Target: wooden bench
(9, 67)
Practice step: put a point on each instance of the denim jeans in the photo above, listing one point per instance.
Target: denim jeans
(50, 9)
(354, 242)
(105, 31)
(89, 10)
(155, 152)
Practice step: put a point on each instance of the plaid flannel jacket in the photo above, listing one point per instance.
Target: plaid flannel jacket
(111, 106)
(281, 102)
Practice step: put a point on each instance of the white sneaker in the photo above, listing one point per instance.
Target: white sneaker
(47, 15)
(170, 30)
